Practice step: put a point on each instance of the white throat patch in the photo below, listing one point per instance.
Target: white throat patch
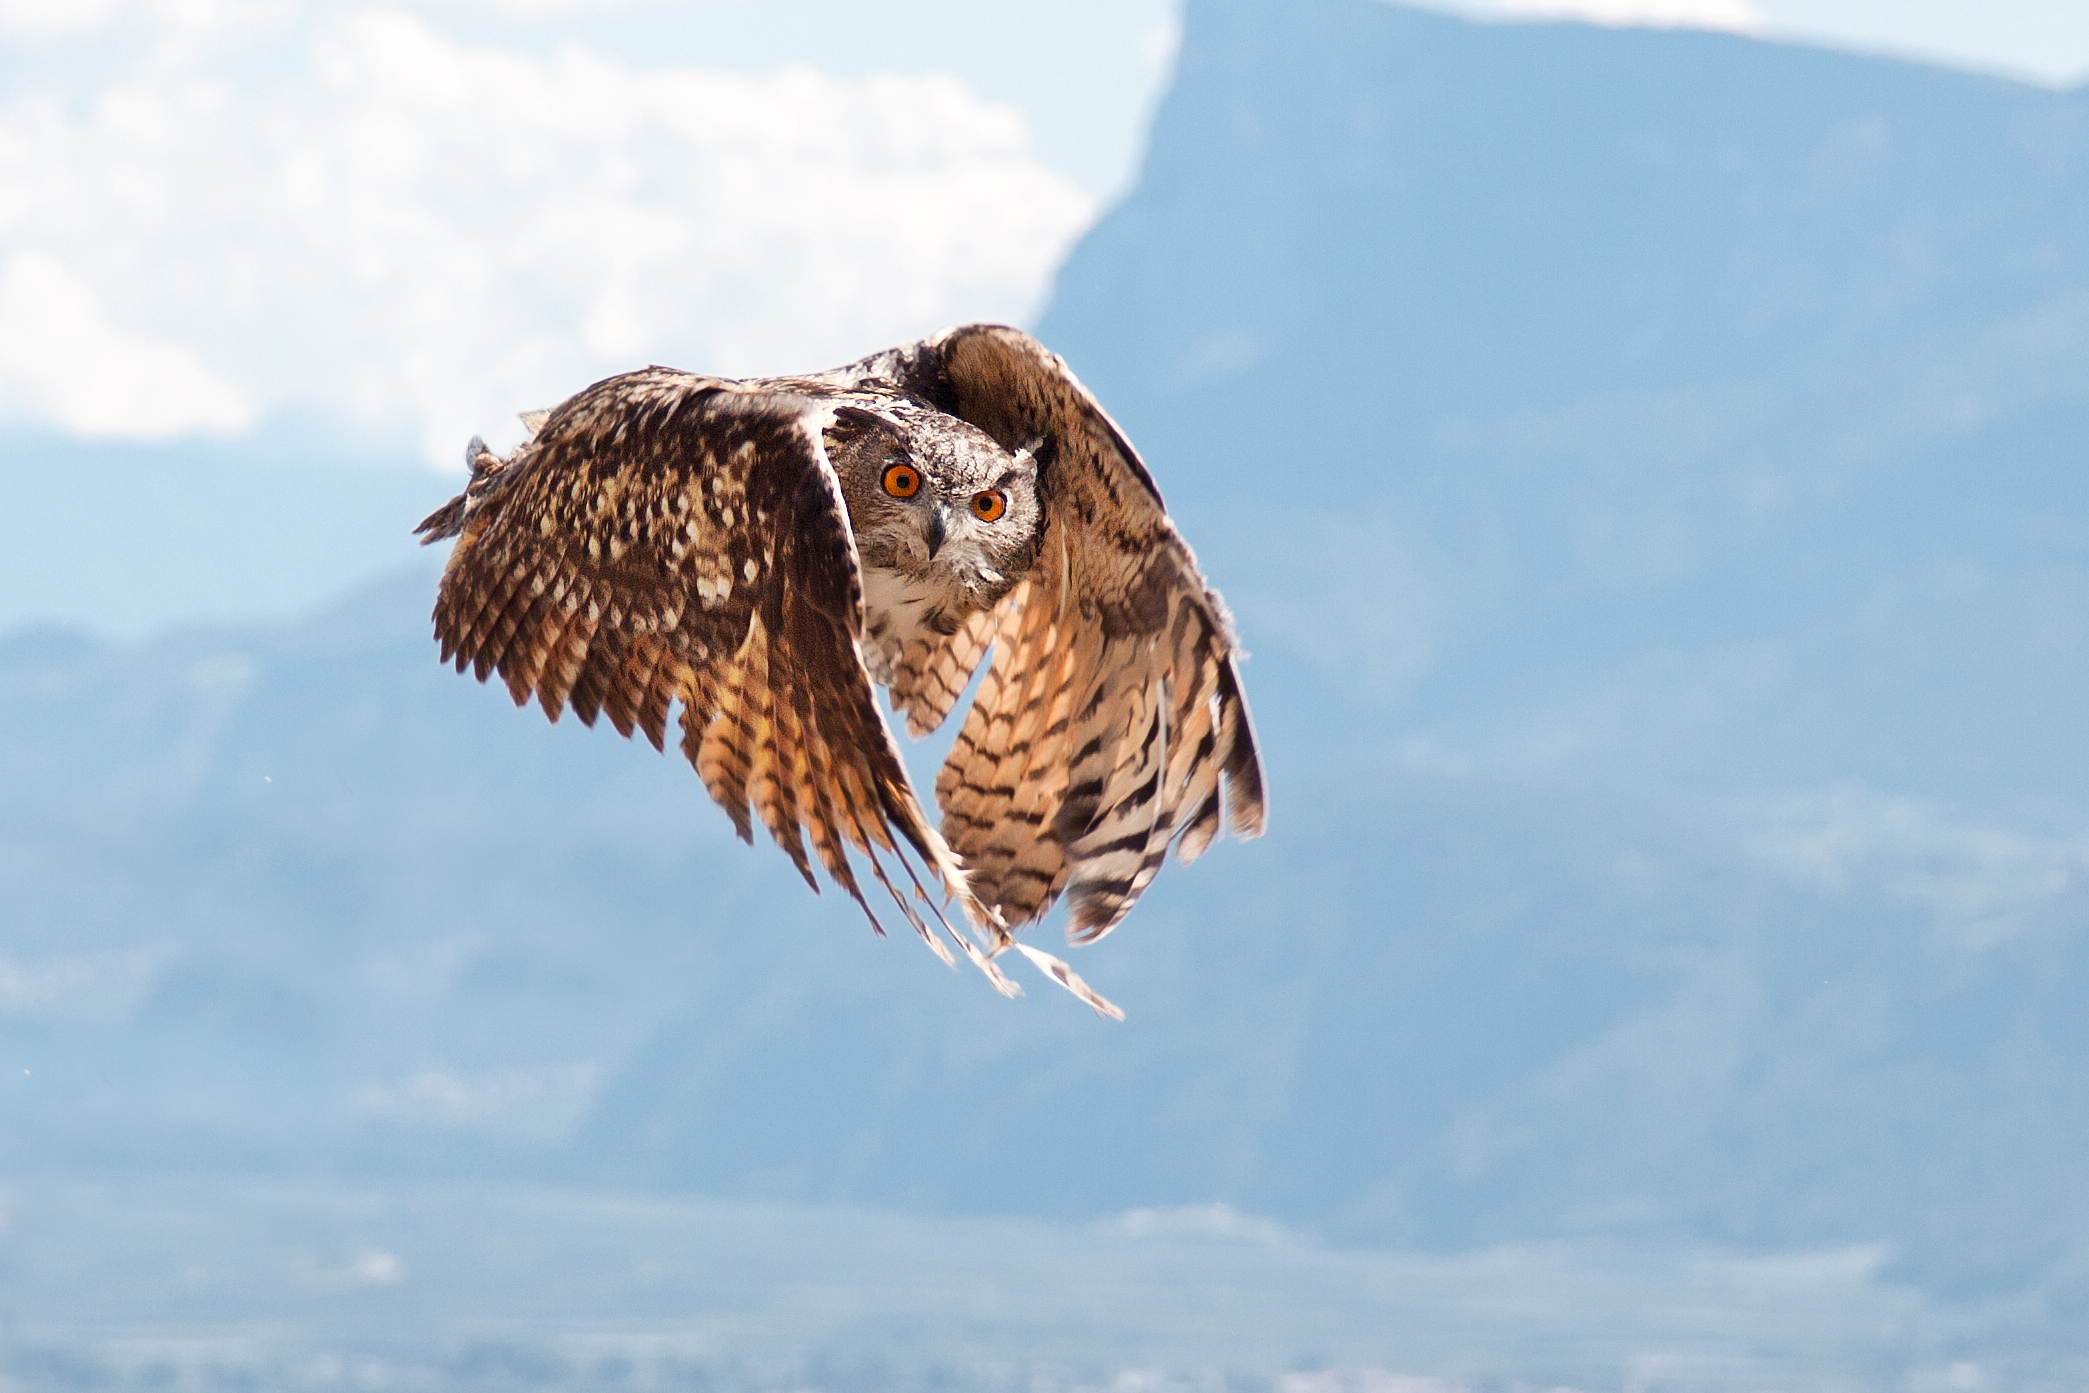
(896, 610)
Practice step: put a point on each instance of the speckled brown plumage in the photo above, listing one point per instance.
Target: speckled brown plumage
(1113, 659)
(672, 539)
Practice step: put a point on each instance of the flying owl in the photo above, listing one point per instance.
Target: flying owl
(763, 551)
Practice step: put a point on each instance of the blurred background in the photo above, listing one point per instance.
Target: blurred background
(1642, 442)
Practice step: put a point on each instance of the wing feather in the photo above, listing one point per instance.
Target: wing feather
(670, 538)
(933, 672)
(1110, 724)
(666, 538)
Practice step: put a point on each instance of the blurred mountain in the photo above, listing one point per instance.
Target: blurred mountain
(122, 538)
(1645, 466)
(1708, 413)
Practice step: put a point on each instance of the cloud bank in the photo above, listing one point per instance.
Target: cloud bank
(1735, 15)
(1981, 883)
(343, 213)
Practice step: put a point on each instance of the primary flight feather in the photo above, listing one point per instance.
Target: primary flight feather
(763, 552)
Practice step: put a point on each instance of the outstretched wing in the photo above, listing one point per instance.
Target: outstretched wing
(670, 538)
(1111, 722)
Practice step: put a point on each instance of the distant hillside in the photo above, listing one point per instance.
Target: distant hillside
(1646, 467)
(125, 538)
(1655, 408)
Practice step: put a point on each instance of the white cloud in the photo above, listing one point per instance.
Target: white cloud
(545, 1101)
(1201, 1221)
(377, 1269)
(1367, 1381)
(1980, 883)
(65, 363)
(341, 211)
(1159, 45)
(101, 986)
(38, 17)
(1737, 15)
(60, 19)
(368, 1267)
(518, 8)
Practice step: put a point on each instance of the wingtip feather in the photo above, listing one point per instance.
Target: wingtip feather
(1066, 977)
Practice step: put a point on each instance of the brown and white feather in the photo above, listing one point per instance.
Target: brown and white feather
(673, 538)
(1111, 721)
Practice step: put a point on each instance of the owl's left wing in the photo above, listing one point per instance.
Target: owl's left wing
(1111, 723)
(671, 538)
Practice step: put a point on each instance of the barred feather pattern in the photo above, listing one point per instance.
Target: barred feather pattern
(1084, 756)
(930, 677)
(672, 540)
(1111, 722)
(668, 538)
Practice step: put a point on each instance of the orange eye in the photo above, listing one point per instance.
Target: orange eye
(902, 480)
(989, 506)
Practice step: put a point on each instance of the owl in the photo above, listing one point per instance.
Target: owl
(760, 555)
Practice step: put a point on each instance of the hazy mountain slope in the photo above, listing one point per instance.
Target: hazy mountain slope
(300, 1284)
(129, 538)
(1705, 412)
(1644, 465)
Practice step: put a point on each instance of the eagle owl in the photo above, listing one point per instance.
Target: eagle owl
(763, 552)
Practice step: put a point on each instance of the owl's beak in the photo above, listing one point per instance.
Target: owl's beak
(938, 528)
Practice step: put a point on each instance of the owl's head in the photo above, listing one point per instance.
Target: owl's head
(934, 497)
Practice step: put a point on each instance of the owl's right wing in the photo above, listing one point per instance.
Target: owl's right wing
(1111, 724)
(665, 538)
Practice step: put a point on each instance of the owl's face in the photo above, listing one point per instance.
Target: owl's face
(936, 499)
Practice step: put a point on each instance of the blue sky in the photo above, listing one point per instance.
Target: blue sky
(405, 220)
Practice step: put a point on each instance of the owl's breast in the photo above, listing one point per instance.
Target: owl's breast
(900, 609)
